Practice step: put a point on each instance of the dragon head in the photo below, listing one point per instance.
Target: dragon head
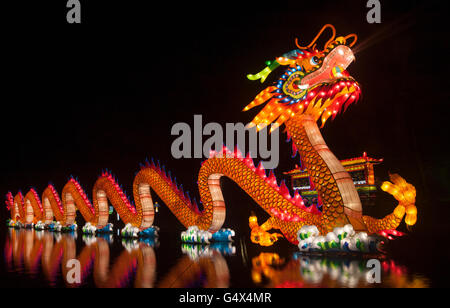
(315, 82)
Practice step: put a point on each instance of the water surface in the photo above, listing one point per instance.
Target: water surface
(39, 259)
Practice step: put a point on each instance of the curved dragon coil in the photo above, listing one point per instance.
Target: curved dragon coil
(315, 86)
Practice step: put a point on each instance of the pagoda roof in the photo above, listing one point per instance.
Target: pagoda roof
(345, 162)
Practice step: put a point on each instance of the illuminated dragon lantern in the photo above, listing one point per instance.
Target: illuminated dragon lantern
(315, 86)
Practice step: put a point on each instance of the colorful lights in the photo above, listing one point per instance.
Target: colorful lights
(315, 85)
(259, 234)
(405, 194)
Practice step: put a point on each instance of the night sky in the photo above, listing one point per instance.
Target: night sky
(77, 99)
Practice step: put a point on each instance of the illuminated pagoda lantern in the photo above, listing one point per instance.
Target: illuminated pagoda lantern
(361, 169)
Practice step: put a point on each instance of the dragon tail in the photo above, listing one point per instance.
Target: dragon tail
(405, 194)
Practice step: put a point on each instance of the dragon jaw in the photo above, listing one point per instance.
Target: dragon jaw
(334, 67)
(315, 83)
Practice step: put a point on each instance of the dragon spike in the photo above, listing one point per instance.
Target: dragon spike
(249, 161)
(9, 200)
(224, 150)
(347, 103)
(298, 201)
(288, 136)
(294, 150)
(260, 171)
(272, 180)
(195, 205)
(237, 152)
(319, 200)
(187, 196)
(261, 98)
(284, 190)
(315, 210)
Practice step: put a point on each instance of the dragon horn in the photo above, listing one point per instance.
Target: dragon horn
(318, 35)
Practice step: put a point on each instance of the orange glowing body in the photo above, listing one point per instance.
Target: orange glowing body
(314, 87)
(288, 213)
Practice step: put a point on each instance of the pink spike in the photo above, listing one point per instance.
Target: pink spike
(260, 171)
(237, 153)
(284, 190)
(294, 150)
(298, 200)
(315, 210)
(249, 162)
(272, 180)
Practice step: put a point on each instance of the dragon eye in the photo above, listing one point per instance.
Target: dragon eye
(314, 60)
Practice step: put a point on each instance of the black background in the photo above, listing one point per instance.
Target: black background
(77, 99)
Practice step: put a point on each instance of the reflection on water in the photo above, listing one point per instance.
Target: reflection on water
(304, 271)
(44, 255)
(203, 266)
(29, 251)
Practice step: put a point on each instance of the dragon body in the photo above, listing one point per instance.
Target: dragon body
(315, 86)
